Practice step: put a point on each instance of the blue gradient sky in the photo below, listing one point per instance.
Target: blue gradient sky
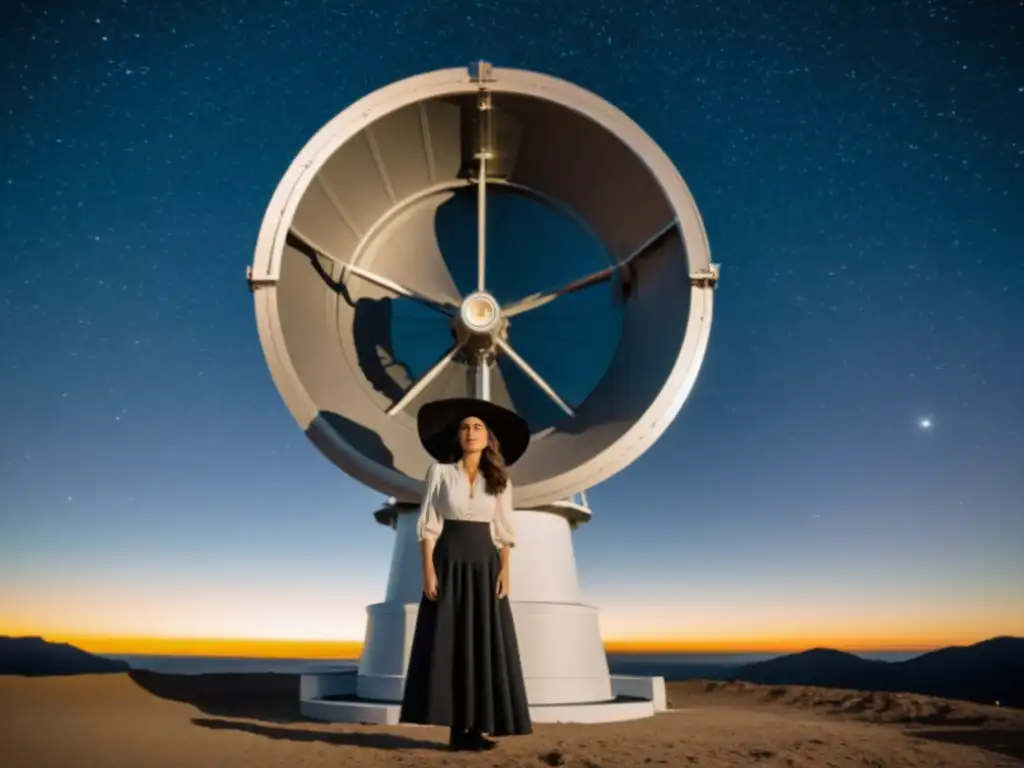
(859, 169)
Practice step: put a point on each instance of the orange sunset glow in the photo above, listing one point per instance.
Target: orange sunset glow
(349, 649)
(222, 621)
(270, 647)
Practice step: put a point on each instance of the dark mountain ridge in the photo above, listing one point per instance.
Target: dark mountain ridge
(986, 672)
(35, 656)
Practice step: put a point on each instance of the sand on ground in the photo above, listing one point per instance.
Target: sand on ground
(145, 720)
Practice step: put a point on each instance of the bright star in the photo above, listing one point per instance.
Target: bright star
(925, 423)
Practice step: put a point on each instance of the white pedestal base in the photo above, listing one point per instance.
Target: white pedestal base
(559, 637)
(559, 645)
(563, 660)
(330, 696)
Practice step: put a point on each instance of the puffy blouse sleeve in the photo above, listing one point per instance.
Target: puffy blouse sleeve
(504, 528)
(430, 520)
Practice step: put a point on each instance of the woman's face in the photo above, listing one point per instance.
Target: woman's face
(472, 435)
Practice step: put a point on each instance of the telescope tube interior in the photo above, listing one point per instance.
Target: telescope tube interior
(391, 208)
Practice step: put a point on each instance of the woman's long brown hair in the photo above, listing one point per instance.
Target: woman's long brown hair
(492, 466)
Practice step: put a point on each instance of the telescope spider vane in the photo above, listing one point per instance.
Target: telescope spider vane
(479, 323)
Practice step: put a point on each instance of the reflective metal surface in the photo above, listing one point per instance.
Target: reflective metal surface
(573, 230)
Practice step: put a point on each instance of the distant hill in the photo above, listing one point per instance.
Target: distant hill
(36, 656)
(986, 672)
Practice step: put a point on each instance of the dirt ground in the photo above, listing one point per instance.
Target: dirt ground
(147, 720)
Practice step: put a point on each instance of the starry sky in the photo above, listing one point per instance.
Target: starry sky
(847, 470)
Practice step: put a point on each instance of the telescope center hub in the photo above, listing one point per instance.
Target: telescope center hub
(480, 314)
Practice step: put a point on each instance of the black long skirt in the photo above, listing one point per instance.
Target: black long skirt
(464, 669)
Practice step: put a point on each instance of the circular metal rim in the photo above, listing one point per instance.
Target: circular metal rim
(491, 324)
(450, 82)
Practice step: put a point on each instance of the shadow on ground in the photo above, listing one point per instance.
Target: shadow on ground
(1006, 741)
(371, 739)
(264, 696)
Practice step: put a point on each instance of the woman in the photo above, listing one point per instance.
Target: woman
(464, 669)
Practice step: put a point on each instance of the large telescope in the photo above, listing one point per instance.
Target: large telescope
(355, 231)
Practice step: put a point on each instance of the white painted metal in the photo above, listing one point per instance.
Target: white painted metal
(384, 282)
(425, 380)
(559, 636)
(329, 696)
(535, 377)
(481, 223)
(482, 379)
(540, 299)
(591, 469)
(480, 313)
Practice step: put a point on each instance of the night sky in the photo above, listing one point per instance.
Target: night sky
(848, 470)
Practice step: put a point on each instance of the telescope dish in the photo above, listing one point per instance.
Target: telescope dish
(395, 266)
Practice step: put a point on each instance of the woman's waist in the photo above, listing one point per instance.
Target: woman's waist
(465, 521)
(466, 540)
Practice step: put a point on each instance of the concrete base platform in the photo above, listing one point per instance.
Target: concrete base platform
(330, 696)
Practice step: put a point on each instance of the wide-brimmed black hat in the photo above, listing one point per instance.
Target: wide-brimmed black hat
(439, 421)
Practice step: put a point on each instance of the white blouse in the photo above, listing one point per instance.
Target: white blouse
(447, 498)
